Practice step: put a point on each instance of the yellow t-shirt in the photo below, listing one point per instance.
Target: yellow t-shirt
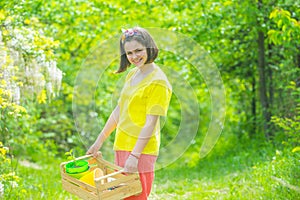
(151, 96)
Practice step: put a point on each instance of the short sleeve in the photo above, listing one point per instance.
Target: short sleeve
(158, 99)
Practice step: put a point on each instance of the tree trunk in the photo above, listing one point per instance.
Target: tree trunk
(253, 105)
(270, 80)
(262, 79)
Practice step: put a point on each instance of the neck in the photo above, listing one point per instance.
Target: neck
(146, 68)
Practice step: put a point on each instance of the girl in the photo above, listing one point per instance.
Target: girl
(145, 96)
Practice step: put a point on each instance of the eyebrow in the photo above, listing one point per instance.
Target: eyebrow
(137, 49)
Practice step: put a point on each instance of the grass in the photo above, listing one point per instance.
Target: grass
(244, 173)
(40, 181)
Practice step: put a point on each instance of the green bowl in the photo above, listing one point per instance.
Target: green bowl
(81, 166)
(79, 175)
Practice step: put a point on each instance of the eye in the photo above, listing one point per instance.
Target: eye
(128, 53)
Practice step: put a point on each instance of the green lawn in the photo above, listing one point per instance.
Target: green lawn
(243, 175)
(41, 181)
(254, 174)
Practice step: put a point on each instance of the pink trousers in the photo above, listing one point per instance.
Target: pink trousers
(146, 171)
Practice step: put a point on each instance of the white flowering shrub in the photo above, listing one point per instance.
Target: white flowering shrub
(28, 69)
(28, 73)
(27, 63)
(1, 189)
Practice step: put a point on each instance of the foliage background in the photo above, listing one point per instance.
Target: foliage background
(255, 45)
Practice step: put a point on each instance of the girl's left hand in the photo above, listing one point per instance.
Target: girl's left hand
(131, 165)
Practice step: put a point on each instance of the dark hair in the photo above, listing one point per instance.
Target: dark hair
(143, 37)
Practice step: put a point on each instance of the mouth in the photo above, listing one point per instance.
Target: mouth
(137, 61)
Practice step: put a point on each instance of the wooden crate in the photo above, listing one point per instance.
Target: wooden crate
(110, 182)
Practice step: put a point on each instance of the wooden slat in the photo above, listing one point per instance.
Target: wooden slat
(122, 192)
(101, 160)
(84, 194)
(78, 182)
(109, 171)
(125, 181)
(98, 178)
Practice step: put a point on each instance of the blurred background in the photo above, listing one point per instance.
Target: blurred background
(254, 45)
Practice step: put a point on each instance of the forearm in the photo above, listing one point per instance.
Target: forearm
(110, 126)
(145, 134)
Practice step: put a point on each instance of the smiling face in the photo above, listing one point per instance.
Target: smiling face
(136, 53)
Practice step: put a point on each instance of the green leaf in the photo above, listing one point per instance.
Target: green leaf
(279, 23)
(296, 149)
(286, 13)
(67, 154)
(273, 14)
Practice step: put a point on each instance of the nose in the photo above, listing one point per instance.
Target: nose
(134, 55)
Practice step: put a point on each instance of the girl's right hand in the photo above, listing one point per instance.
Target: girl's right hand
(93, 150)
